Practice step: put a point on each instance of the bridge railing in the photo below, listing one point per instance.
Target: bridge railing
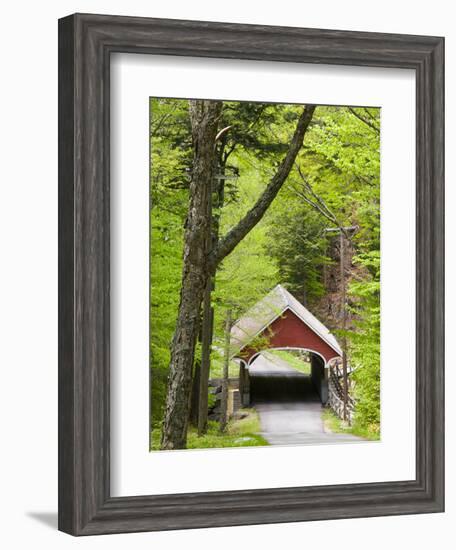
(336, 390)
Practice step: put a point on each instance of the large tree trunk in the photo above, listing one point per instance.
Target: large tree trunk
(206, 341)
(221, 250)
(218, 199)
(204, 118)
(226, 373)
(198, 265)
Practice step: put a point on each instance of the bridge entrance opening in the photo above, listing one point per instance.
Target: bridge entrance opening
(286, 375)
(273, 378)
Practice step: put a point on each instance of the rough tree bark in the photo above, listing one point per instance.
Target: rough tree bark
(226, 367)
(218, 198)
(198, 265)
(344, 323)
(206, 340)
(204, 117)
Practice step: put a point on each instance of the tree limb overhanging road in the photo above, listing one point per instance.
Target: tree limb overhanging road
(289, 408)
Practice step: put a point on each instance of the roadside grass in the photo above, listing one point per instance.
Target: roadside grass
(292, 359)
(334, 424)
(243, 432)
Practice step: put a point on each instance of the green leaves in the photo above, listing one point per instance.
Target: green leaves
(340, 161)
(364, 343)
(298, 245)
(165, 271)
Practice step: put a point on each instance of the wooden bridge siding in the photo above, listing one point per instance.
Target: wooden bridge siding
(289, 331)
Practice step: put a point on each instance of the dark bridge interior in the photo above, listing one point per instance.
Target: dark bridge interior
(269, 387)
(269, 379)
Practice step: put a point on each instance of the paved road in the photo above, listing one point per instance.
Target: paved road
(289, 407)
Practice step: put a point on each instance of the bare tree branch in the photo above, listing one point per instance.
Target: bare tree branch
(362, 119)
(161, 121)
(319, 200)
(369, 114)
(316, 202)
(222, 131)
(313, 204)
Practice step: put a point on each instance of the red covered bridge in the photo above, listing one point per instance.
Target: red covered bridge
(279, 321)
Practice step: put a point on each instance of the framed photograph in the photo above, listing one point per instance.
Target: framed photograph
(251, 274)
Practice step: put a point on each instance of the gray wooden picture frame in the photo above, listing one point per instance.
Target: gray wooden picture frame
(85, 45)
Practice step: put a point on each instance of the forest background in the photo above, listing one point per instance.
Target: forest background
(335, 182)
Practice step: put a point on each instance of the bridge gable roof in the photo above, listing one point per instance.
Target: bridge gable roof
(267, 310)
